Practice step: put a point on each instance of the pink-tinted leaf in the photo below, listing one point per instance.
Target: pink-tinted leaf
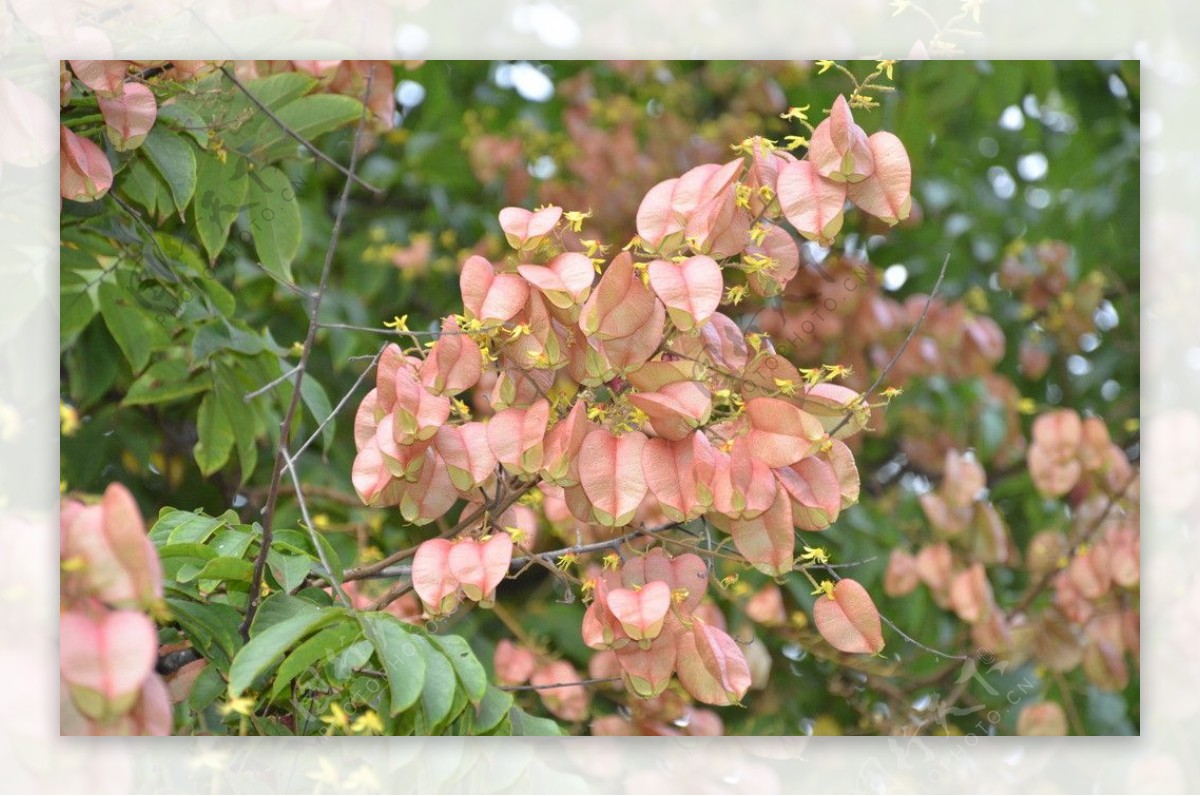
(106, 78)
(782, 256)
(743, 485)
(620, 304)
(516, 435)
(725, 343)
(641, 612)
(718, 226)
(711, 666)
(565, 281)
(848, 619)
(830, 403)
(105, 658)
(126, 534)
(432, 579)
(490, 297)
(455, 362)
(839, 149)
(971, 594)
(391, 361)
(480, 566)
(647, 672)
(1053, 477)
(900, 577)
(610, 472)
(402, 460)
(513, 664)
(129, 117)
(628, 354)
(658, 225)
(677, 409)
(525, 229)
(886, 193)
(467, 454)
(812, 203)
(417, 413)
(690, 290)
(560, 460)
(431, 495)
(780, 432)
(567, 702)
(84, 172)
(373, 481)
(366, 419)
(842, 461)
(813, 488)
(686, 572)
(670, 476)
(1042, 718)
(766, 606)
(1059, 433)
(768, 540)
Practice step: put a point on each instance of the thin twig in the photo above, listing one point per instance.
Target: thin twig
(866, 396)
(272, 384)
(318, 154)
(340, 404)
(312, 534)
(285, 427)
(593, 681)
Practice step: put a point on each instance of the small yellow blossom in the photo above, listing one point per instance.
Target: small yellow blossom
(800, 113)
(368, 723)
(794, 142)
(825, 66)
(735, 294)
(886, 67)
(825, 587)
(815, 554)
(785, 386)
(575, 219)
(242, 706)
(336, 718)
(68, 419)
(398, 322)
(612, 561)
(567, 561)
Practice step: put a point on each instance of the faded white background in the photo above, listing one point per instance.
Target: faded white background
(34, 34)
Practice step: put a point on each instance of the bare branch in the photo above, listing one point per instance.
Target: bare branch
(593, 681)
(866, 396)
(272, 384)
(312, 534)
(285, 427)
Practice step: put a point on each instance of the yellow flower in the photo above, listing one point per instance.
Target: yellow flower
(398, 322)
(825, 587)
(825, 66)
(368, 723)
(796, 113)
(575, 219)
(886, 67)
(336, 718)
(795, 142)
(68, 419)
(612, 561)
(735, 294)
(242, 706)
(785, 386)
(815, 554)
(567, 561)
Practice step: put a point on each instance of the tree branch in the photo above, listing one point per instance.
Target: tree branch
(285, 427)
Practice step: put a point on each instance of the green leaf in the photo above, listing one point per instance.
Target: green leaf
(212, 627)
(186, 526)
(317, 401)
(441, 684)
(280, 607)
(350, 659)
(241, 420)
(403, 655)
(327, 645)
(164, 382)
(309, 117)
(175, 160)
(263, 651)
(215, 441)
(492, 709)
(277, 90)
(186, 120)
(274, 218)
(187, 550)
(77, 305)
(524, 724)
(468, 668)
(135, 331)
(288, 571)
(224, 568)
(141, 183)
(208, 686)
(221, 189)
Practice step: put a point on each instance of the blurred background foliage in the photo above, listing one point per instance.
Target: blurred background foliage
(1006, 156)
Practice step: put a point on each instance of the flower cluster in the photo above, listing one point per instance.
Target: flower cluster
(111, 578)
(632, 399)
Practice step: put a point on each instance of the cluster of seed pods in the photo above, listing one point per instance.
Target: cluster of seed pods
(111, 579)
(632, 399)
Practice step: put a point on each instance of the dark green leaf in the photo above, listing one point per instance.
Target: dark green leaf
(221, 189)
(215, 441)
(289, 571)
(274, 219)
(309, 117)
(175, 160)
(135, 331)
(223, 568)
(403, 655)
(524, 724)
(278, 608)
(468, 668)
(263, 651)
(164, 382)
(493, 709)
(324, 646)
